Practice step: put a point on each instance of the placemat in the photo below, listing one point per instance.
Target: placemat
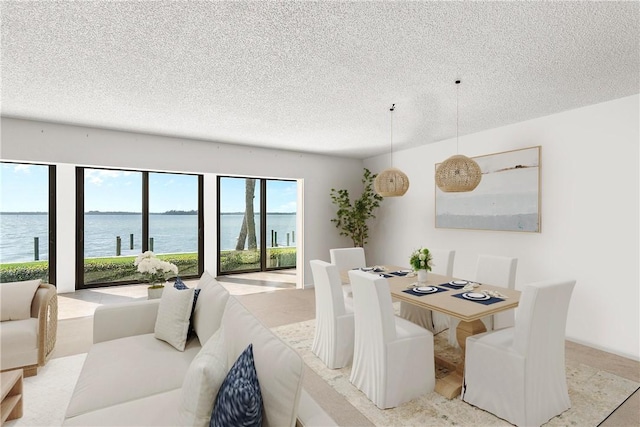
(420, 294)
(491, 300)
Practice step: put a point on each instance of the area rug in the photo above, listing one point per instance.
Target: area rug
(594, 394)
(46, 395)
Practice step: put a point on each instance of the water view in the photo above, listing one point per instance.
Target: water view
(170, 233)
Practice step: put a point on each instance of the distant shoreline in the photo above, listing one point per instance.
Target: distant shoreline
(151, 213)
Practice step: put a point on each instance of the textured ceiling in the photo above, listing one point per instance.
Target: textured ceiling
(313, 76)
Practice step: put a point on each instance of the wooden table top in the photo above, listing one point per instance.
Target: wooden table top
(445, 302)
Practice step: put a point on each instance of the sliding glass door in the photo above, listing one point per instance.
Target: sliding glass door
(121, 214)
(256, 224)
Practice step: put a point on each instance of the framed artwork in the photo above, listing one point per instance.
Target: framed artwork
(507, 198)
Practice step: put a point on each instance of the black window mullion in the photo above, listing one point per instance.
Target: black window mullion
(79, 227)
(201, 224)
(263, 224)
(52, 225)
(145, 211)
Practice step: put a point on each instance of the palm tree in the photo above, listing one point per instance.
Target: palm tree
(248, 229)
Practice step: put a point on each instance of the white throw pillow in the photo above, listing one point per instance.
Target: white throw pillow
(209, 307)
(16, 298)
(202, 382)
(172, 323)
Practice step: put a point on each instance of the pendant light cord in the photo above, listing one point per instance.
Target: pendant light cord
(393, 107)
(457, 116)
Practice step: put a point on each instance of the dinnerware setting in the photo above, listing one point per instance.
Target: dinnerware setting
(425, 289)
(475, 296)
(459, 283)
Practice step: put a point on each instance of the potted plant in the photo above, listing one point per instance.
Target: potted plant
(154, 272)
(351, 219)
(421, 263)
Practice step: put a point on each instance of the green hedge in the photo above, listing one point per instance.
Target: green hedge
(112, 269)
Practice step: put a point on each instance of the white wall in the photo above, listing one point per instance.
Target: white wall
(67, 146)
(589, 190)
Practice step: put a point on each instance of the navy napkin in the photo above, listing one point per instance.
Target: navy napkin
(399, 273)
(450, 286)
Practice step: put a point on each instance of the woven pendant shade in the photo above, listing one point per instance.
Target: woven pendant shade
(458, 174)
(391, 182)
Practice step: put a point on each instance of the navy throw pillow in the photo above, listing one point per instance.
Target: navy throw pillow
(239, 401)
(179, 284)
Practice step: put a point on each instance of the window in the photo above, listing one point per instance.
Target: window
(121, 214)
(27, 222)
(256, 224)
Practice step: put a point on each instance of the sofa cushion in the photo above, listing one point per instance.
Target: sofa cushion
(202, 381)
(209, 307)
(172, 323)
(157, 410)
(239, 402)
(129, 368)
(19, 343)
(279, 367)
(15, 299)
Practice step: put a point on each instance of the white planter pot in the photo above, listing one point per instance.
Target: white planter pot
(154, 293)
(422, 276)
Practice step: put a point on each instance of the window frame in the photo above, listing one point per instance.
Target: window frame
(79, 250)
(51, 217)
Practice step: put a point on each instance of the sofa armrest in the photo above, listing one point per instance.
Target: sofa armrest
(127, 319)
(44, 307)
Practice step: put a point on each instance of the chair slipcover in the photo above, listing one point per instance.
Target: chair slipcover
(518, 373)
(347, 259)
(333, 340)
(392, 358)
(433, 321)
(496, 271)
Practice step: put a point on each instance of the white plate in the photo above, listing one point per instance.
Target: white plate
(425, 289)
(475, 296)
(458, 282)
(367, 269)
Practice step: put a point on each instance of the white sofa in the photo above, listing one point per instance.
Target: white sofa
(131, 378)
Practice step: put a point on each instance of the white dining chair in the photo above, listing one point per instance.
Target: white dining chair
(347, 259)
(333, 339)
(518, 373)
(497, 271)
(392, 358)
(435, 322)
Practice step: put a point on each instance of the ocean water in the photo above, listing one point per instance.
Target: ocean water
(170, 233)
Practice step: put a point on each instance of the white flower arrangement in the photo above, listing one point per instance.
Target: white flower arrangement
(154, 269)
(421, 259)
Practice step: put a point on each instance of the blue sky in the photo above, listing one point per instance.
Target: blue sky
(113, 190)
(282, 195)
(30, 182)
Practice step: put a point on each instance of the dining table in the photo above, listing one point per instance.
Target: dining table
(448, 299)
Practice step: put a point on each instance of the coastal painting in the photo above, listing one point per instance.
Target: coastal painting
(507, 198)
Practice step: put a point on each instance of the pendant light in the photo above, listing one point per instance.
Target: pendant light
(391, 182)
(458, 173)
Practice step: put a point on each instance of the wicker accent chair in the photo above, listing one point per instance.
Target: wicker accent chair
(28, 343)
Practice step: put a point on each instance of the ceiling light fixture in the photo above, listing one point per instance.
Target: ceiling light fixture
(458, 173)
(391, 182)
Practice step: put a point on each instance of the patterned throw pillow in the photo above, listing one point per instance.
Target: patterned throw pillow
(179, 284)
(239, 401)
